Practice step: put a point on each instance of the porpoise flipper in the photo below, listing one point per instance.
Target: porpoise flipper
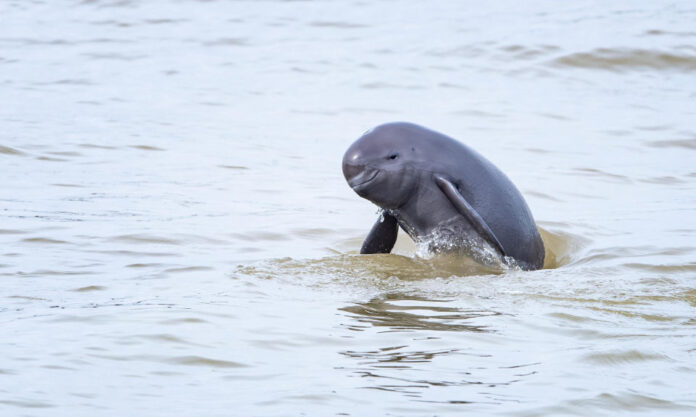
(382, 236)
(466, 210)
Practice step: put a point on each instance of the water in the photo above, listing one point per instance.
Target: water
(178, 240)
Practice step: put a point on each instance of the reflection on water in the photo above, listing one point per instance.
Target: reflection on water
(408, 332)
(177, 235)
(419, 313)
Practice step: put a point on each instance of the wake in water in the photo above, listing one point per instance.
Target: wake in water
(410, 263)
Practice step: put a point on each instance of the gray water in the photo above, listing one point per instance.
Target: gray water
(177, 238)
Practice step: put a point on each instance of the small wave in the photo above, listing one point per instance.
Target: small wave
(175, 239)
(90, 288)
(663, 269)
(689, 296)
(260, 236)
(65, 153)
(68, 185)
(561, 247)
(114, 56)
(27, 403)
(338, 25)
(541, 195)
(521, 52)
(50, 272)
(44, 240)
(658, 32)
(314, 232)
(145, 265)
(593, 172)
(625, 257)
(202, 361)
(6, 150)
(11, 232)
(147, 239)
(188, 269)
(68, 81)
(50, 159)
(622, 402)
(227, 42)
(620, 358)
(176, 360)
(168, 338)
(162, 21)
(676, 143)
(146, 148)
(235, 167)
(627, 59)
(95, 146)
(184, 321)
(665, 180)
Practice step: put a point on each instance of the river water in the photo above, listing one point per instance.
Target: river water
(177, 238)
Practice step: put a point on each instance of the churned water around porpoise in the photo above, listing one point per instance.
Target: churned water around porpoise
(178, 239)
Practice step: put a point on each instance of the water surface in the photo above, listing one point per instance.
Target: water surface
(177, 237)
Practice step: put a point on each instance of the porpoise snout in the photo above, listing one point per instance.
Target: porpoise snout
(356, 173)
(351, 164)
(351, 171)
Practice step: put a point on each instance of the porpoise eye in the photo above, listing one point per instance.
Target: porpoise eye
(394, 156)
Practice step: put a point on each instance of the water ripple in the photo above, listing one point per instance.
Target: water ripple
(626, 59)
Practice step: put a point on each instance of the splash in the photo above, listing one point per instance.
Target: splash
(445, 242)
(561, 248)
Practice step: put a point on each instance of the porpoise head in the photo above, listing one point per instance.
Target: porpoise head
(382, 164)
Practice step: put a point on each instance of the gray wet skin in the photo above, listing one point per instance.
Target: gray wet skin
(442, 193)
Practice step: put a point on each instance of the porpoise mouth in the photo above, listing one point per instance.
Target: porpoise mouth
(360, 181)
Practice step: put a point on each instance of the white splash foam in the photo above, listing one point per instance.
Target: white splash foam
(442, 241)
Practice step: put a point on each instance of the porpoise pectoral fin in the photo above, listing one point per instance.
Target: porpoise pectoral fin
(468, 211)
(382, 236)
